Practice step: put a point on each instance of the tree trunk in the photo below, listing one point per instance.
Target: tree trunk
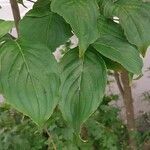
(125, 90)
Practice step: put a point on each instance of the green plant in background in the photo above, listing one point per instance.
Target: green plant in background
(18, 132)
(34, 83)
(104, 130)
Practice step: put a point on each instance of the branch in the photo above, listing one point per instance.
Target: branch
(31, 1)
(116, 75)
(128, 103)
(16, 14)
(50, 139)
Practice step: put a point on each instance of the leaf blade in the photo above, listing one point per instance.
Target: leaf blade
(129, 13)
(82, 15)
(5, 27)
(79, 100)
(29, 81)
(113, 45)
(43, 26)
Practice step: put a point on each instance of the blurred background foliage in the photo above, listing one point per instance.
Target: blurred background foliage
(103, 131)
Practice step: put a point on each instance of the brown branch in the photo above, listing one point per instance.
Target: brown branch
(117, 78)
(16, 14)
(31, 1)
(123, 83)
(128, 102)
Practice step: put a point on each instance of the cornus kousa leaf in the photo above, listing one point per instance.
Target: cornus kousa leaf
(113, 45)
(82, 15)
(83, 82)
(45, 27)
(112, 65)
(29, 79)
(134, 17)
(5, 27)
(40, 8)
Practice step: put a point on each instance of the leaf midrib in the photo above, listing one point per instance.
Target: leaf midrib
(28, 70)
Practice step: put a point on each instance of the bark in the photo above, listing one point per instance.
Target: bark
(117, 77)
(125, 90)
(16, 14)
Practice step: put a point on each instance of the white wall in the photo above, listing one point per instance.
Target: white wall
(6, 13)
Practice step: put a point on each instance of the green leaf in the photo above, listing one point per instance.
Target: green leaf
(5, 38)
(83, 82)
(82, 15)
(112, 65)
(5, 27)
(113, 45)
(134, 18)
(40, 8)
(45, 27)
(29, 79)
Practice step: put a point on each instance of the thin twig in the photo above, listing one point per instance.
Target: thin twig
(16, 14)
(117, 77)
(31, 1)
(50, 139)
